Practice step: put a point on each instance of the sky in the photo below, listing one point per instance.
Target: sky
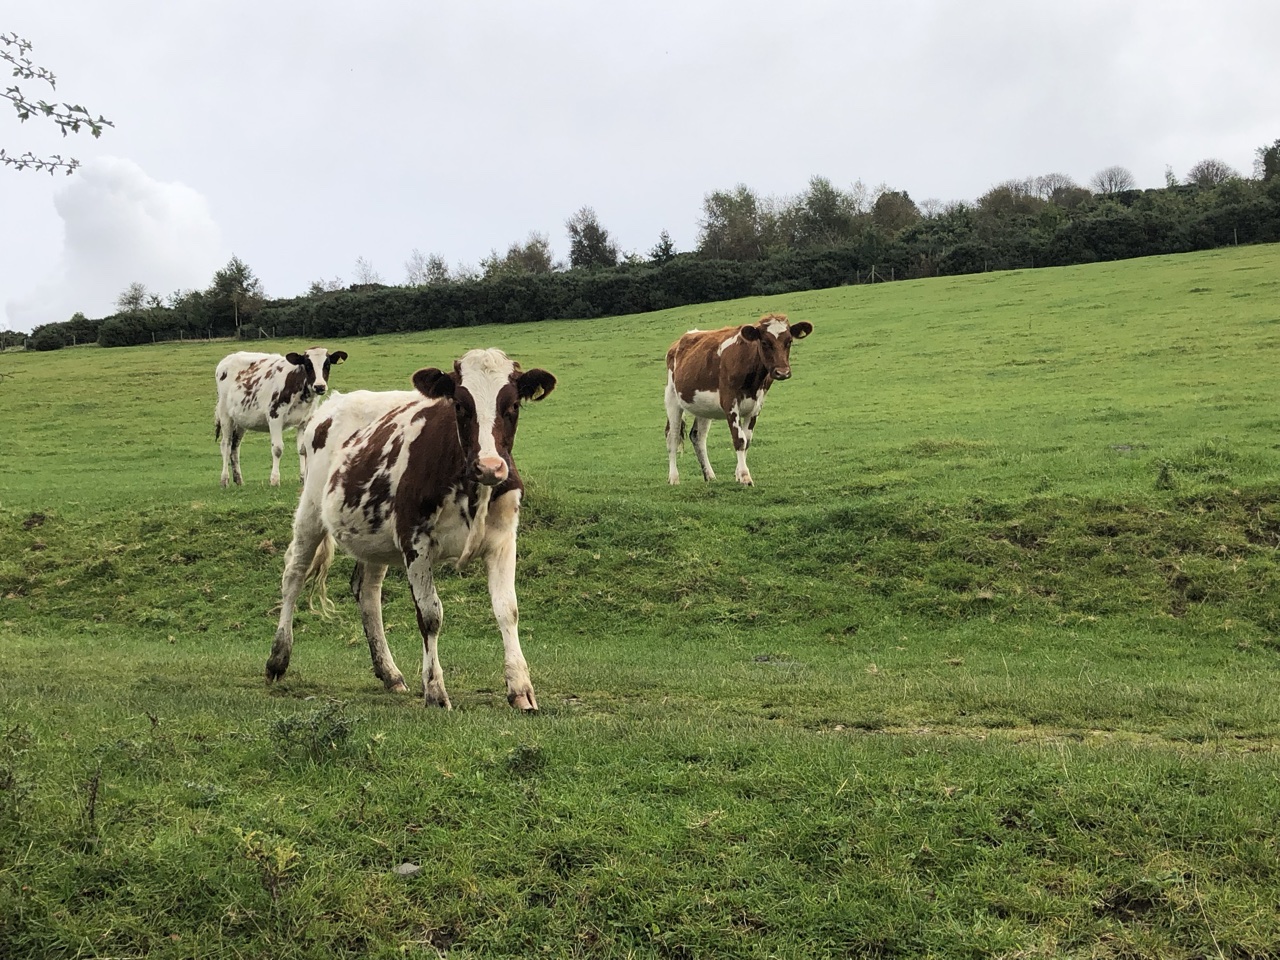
(302, 137)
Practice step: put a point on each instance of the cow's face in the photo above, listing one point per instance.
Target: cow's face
(315, 364)
(487, 389)
(774, 335)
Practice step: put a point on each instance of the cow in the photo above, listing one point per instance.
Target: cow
(265, 391)
(416, 478)
(724, 375)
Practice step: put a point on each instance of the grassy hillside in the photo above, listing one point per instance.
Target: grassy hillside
(983, 665)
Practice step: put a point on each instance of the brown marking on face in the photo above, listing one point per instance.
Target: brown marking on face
(295, 385)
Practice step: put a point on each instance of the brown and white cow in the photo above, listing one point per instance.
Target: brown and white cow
(416, 478)
(265, 391)
(724, 375)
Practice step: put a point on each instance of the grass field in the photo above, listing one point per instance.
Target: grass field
(983, 666)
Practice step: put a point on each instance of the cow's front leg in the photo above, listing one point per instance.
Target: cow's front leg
(276, 427)
(675, 432)
(366, 587)
(741, 434)
(308, 535)
(501, 559)
(430, 618)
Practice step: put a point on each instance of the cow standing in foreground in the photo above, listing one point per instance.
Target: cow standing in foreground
(265, 391)
(416, 478)
(724, 375)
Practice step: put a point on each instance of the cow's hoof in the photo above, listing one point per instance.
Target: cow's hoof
(398, 686)
(275, 673)
(524, 702)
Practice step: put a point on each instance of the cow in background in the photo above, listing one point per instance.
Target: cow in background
(265, 391)
(724, 375)
(416, 478)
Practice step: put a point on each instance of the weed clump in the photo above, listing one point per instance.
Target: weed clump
(319, 734)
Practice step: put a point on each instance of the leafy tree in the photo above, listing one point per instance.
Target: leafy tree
(236, 287)
(1115, 179)
(423, 270)
(319, 288)
(1266, 165)
(730, 228)
(824, 215)
(1170, 178)
(664, 250)
(531, 257)
(133, 299)
(70, 118)
(589, 243)
(894, 211)
(1210, 173)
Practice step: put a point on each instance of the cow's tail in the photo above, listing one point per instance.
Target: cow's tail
(318, 575)
(217, 429)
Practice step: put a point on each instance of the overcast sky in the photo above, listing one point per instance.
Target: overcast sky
(302, 136)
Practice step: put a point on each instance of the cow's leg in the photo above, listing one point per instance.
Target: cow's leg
(308, 534)
(237, 434)
(740, 430)
(275, 425)
(675, 431)
(698, 437)
(430, 618)
(225, 430)
(501, 558)
(366, 587)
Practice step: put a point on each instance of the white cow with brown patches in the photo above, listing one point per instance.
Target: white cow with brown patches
(416, 478)
(268, 392)
(724, 375)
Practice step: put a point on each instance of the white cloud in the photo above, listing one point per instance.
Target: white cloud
(120, 226)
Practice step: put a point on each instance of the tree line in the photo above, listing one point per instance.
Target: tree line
(747, 245)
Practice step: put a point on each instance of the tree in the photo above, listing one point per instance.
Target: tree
(1266, 164)
(1210, 173)
(319, 288)
(236, 286)
(425, 270)
(589, 243)
(730, 228)
(824, 215)
(365, 275)
(894, 211)
(70, 118)
(133, 299)
(1114, 179)
(664, 250)
(1170, 178)
(531, 257)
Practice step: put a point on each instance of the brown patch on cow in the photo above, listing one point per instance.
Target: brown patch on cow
(320, 435)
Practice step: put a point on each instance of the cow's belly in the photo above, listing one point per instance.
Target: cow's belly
(705, 403)
(369, 533)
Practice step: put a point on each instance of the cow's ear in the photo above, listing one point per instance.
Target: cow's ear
(749, 331)
(802, 329)
(297, 359)
(433, 383)
(535, 384)
(338, 356)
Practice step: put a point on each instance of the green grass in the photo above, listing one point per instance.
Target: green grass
(983, 666)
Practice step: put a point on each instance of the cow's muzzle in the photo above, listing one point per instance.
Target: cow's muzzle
(782, 374)
(490, 471)
(319, 388)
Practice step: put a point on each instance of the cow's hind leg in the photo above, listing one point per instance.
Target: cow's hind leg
(430, 618)
(225, 432)
(698, 437)
(501, 559)
(675, 432)
(309, 538)
(233, 436)
(366, 587)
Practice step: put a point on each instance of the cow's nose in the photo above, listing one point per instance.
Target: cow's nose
(320, 388)
(782, 374)
(491, 471)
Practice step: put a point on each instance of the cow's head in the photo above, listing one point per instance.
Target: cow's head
(487, 389)
(774, 335)
(315, 364)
